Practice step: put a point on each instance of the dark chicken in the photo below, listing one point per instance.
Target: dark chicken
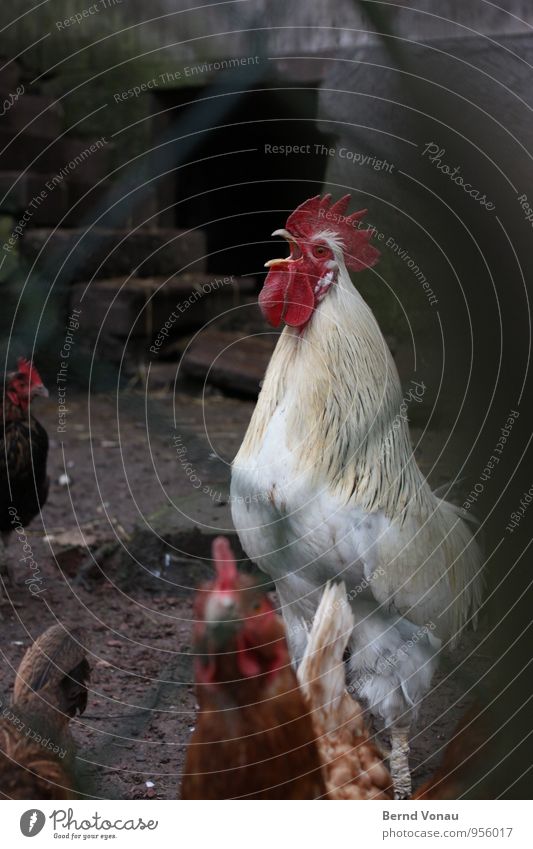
(36, 748)
(254, 737)
(23, 450)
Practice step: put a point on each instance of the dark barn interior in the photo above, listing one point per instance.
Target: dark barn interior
(230, 169)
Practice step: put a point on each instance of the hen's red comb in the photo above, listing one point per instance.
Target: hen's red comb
(225, 564)
(318, 214)
(24, 365)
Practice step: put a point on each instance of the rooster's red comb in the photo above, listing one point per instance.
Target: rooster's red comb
(318, 214)
(225, 564)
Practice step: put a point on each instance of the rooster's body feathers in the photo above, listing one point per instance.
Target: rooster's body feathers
(333, 498)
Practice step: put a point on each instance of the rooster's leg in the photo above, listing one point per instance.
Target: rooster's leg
(399, 763)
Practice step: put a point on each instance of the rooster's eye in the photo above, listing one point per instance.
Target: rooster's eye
(320, 250)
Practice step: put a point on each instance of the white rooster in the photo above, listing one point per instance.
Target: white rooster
(325, 485)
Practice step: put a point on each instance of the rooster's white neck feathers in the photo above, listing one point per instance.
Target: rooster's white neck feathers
(339, 385)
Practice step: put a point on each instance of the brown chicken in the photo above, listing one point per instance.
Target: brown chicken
(254, 737)
(36, 748)
(353, 764)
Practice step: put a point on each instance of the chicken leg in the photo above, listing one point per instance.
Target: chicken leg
(399, 763)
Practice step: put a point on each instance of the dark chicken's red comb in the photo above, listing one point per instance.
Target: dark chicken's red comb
(24, 366)
(317, 214)
(225, 564)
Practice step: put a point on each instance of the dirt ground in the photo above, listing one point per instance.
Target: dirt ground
(126, 484)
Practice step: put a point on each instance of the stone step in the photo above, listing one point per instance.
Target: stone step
(9, 75)
(112, 253)
(229, 360)
(88, 158)
(68, 203)
(85, 197)
(192, 297)
(150, 314)
(24, 113)
(19, 191)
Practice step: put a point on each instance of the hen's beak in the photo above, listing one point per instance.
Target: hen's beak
(40, 390)
(221, 616)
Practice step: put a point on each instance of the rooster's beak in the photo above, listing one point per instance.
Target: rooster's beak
(269, 263)
(285, 235)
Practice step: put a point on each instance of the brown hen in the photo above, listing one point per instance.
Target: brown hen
(36, 748)
(254, 737)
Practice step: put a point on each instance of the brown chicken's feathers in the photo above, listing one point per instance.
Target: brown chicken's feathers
(254, 737)
(353, 763)
(55, 665)
(28, 771)
(37, 753)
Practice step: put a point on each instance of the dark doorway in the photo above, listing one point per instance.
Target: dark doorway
(238, 199)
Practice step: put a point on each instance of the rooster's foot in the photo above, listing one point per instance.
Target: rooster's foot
(399, 763)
